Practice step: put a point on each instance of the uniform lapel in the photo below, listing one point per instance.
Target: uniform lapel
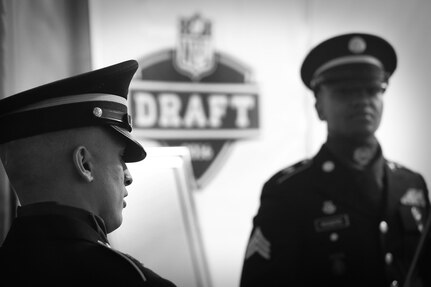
(336, 182)
(396, 187)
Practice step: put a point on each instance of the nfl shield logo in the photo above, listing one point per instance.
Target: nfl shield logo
(195, 96)
(194, 55)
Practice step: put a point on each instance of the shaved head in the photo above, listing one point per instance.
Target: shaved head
(37, 166)
(81, 167)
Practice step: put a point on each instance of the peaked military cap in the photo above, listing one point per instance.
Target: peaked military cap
(96, 98)
(349, 57)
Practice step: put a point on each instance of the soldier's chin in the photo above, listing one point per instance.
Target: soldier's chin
(114, 225)
(363, 132)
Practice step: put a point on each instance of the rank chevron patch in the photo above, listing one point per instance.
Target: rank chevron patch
(258, 244)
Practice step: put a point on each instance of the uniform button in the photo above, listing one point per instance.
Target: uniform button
(97, 112)
(333, 237)
(420, 227)
(389, 258)
(417, 215)
(328, 166)
(394, 283)
(383, 226)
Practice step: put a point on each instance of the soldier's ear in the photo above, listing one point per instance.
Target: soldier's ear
(83, 162)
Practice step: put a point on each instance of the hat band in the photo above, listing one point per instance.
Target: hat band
(353, 59)
(73, 99)
(349, 73)
(70, 116)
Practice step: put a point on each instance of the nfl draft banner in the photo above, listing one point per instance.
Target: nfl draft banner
(195, 96)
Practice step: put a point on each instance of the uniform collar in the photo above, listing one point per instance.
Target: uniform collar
(58, 210)
(375, 166)
(346, 185)
(359, 155)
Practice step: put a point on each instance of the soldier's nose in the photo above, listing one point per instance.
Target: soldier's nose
(127, 177)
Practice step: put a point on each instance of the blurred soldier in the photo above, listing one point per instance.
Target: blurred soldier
(64, 146)
(348, 216)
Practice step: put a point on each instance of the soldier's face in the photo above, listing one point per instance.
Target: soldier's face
(112, 177)
(352, 111)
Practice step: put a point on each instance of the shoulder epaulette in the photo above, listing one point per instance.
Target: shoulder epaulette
(397, 167)
(131, 262)
(394, 165)
(284, 174)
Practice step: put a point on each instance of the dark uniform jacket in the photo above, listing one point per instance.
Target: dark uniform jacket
(54, 245)
(323, 224)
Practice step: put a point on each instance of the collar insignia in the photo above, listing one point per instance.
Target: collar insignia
(328, 207)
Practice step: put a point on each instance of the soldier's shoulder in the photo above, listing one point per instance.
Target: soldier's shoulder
(398, 168)
(288, 173)
(102, 258)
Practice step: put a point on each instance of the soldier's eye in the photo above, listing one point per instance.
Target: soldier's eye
(122, 154)
(376, 90)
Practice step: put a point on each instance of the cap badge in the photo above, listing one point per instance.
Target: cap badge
(357, 45)
(328, 207)
(97, 112)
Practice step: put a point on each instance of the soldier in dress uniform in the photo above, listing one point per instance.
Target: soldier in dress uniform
(347, 216)
(64, 146)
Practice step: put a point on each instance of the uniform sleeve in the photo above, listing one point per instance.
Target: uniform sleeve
(425, 257)
(151, 278)
(273, 243)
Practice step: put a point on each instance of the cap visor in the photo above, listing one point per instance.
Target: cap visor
(134, 151)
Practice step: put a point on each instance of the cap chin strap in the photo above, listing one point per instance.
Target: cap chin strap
(353, 72)
(352, 59)
(72, 99)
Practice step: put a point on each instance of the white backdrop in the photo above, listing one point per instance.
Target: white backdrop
(272, 37)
